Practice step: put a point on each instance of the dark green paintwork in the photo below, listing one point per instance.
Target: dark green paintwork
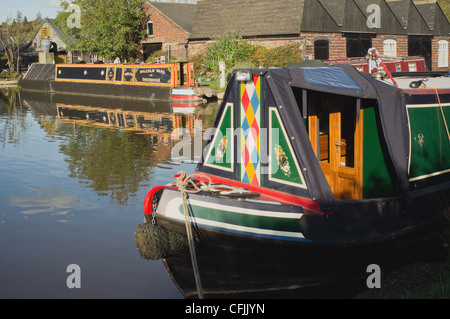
(378, 174)
(430, 145)
(245, 220)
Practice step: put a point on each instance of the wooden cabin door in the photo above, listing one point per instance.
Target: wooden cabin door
(335, 131)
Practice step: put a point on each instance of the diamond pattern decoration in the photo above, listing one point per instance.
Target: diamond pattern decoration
(250, 120)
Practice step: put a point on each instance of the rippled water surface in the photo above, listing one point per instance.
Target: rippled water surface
(74, 172)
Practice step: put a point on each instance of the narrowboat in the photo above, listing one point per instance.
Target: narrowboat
(162, 81)
(310, 175)
(370, 64)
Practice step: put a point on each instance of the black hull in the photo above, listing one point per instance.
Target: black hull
(99, 89)
(337, 252)
(235, 266)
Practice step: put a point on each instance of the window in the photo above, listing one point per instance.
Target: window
(421, 46)
(149, 28)
(358, 45)
(390, 47)
(321, 50)
(443, 54)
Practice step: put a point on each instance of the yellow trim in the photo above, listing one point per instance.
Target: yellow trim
(171, 66)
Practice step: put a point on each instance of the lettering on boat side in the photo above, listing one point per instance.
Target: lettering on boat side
(374, 279)
(242, 309)
(74, 279)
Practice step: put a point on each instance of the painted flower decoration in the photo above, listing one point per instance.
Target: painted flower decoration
(283, 161)
(221, 149)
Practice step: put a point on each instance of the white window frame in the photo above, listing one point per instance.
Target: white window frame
(150, 34)
(390, 47)
(442, 54)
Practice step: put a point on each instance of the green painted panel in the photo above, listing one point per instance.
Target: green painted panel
(284, 166)
(378, 172)
(221, 151)
(246, 220)
(430, 145)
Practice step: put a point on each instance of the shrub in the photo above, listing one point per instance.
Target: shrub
(239, 53)
(223, 48)
(282, 56)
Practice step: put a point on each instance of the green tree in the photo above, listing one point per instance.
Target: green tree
(238, 53)
(445, 5)
(110, 27)
(224, 48)
(14, 35)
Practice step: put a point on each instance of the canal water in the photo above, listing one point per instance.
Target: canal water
(74, 172)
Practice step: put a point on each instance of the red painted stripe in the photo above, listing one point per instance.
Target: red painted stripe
(309, 205)
(185, 97)
(149, 196)
(424, 91)
(185, 104)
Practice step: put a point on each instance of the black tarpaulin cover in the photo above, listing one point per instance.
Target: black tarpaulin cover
(335, 79)
(343, 80)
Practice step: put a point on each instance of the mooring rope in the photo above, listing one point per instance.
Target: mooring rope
(442, 111)
(186, 185)
(182, 183)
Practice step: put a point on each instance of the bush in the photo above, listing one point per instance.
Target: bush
(282, 56)
(9, 75)
(154, 55)
(223, 48)
(238, 53)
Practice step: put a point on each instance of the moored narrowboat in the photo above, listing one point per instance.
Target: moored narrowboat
(316, 170)
(162, 81)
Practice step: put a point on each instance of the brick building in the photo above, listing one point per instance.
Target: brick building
(169, 26)
(325, 29)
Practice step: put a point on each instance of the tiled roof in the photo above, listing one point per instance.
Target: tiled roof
(248, 17)
(180, 13)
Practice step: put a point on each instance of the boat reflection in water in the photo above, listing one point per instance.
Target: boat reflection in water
(162, 123)
(164, 120)
(115, 146)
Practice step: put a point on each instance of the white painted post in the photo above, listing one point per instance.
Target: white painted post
(222, 73)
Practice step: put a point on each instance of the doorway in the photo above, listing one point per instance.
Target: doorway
(335, 132)
(150, 48)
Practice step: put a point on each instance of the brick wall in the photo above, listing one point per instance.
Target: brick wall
(435, 51)
(338, 46)
(166, 32)
(171, 35)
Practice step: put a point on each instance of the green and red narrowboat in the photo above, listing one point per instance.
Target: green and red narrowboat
(316, 170)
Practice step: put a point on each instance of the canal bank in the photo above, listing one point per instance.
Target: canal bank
(422, 280)
(6, 84)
